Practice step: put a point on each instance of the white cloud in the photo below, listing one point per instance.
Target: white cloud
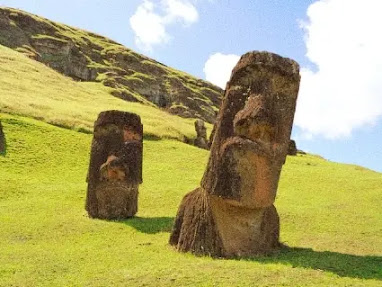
(344, 41)
(180, 10)
(218, 68)
(150, 26)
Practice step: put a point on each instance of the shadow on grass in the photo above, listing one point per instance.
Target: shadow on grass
(344, 265)
(151, 137)
(150, 225)
(3, 150)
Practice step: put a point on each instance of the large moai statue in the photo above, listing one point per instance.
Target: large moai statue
(115, 168)
(2, 140)
(232, 213)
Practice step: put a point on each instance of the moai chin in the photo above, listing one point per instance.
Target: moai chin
(232, 213)
(115, 168)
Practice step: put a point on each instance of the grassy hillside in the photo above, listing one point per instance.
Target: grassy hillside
(86, 56)
(330, 216)
(31, 89)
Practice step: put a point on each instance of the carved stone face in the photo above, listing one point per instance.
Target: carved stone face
(115, 168)
(255, 153)
(253, 131)
(118, 152)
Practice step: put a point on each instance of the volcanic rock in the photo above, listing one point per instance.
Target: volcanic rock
(232, 213)
(115, 168)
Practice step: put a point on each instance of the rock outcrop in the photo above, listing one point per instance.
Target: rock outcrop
(115, 168)
(2, 139)
(86, 56)
(232, 213)
(201, 134)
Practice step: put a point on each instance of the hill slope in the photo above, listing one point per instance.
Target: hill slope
(332, 220)
(31, 89)
(86, 56)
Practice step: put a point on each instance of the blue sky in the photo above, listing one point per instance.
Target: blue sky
(336, 42)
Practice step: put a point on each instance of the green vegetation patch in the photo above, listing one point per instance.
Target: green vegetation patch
(48, 240)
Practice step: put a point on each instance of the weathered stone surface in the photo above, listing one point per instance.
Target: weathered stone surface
(201, 135)
(115, 168)
(85, 56)
(292, 149)
(232, 213)
(2, 139)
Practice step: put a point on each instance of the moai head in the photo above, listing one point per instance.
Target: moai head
(292, 149)
(118, 136)
(201, 134)
(201, 131)
(116, 156)
(252, 130)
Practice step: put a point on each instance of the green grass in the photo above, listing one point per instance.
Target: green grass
(31, 89)
(330, 216)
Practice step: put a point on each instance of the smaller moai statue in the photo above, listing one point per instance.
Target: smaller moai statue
(2, 139)
(201, 134)
(292, 149)
(115, 168)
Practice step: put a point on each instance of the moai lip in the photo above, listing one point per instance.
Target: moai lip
(232, 213)
(115, 168)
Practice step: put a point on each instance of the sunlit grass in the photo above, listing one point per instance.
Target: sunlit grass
(330, 215)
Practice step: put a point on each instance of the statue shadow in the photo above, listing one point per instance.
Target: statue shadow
(150, 225)
(343, 265)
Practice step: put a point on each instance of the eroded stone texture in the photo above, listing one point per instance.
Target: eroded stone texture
(232, 213)
(201, 134)
(115, 168)
(2, 139)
